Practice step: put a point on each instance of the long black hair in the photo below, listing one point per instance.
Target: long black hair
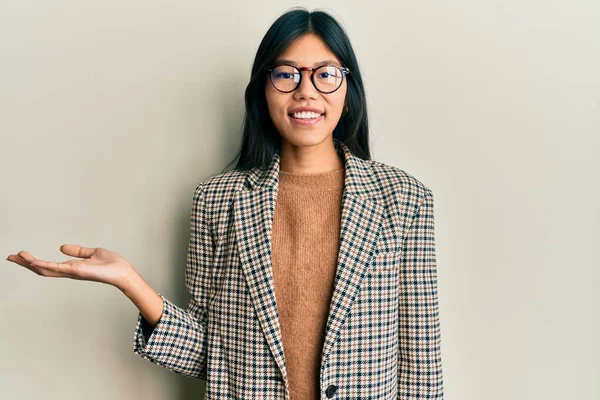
(260, 138)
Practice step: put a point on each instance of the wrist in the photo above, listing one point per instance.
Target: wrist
(130, 280)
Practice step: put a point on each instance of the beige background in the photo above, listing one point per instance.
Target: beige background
(112, 111)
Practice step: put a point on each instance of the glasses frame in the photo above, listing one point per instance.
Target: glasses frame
(345, 71)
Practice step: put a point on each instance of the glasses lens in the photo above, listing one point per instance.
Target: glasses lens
(328, 78)
(285, 78)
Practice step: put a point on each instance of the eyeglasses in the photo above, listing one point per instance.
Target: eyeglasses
(326, 79)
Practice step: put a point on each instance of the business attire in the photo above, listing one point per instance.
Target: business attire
(380, 336)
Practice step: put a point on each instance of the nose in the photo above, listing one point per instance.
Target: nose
(306, 89)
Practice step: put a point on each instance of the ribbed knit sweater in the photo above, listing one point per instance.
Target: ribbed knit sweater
(305, 245)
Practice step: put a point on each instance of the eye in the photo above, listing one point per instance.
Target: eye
(283, 75)
(324, 75)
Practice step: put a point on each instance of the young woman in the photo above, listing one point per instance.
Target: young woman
(311, 267)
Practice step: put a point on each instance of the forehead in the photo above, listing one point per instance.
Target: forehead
(308, 50)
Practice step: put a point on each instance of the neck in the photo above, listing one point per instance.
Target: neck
(311, 159)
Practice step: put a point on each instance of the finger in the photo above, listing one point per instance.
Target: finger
(18, 260)
(25, 255)
(22, 262)
(47, 273)
(74, 250)
(52, 267)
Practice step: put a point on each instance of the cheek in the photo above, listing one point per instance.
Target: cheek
(338, 101)
(276, 105)
(337, 104)
(273, 104)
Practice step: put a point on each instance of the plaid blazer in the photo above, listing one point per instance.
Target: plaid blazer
(382, 337)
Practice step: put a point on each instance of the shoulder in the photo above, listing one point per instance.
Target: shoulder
(218, 190)
(396, 181)
(224, 182)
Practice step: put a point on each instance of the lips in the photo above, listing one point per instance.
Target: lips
(306, 109)
(291, 114)
(307, 121)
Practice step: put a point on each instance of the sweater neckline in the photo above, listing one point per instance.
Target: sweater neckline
(316, 174)
(319, 181)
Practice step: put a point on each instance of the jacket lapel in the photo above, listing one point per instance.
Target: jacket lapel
(361, 219)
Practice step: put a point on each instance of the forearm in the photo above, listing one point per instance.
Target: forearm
(144, 297)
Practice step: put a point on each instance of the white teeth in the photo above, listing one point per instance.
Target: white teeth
(306, 115)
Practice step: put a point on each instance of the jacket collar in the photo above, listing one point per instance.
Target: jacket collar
(359, 180)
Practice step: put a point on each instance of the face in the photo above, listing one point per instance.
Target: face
(307, 51)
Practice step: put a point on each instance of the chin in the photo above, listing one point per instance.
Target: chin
(305, 138)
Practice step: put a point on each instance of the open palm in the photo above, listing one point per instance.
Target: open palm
(94, 264)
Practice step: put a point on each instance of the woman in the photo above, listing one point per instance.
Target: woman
(311, 267)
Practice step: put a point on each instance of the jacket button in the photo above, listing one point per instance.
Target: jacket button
(330, 391)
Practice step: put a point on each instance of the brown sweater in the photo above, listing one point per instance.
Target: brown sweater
(305, 245)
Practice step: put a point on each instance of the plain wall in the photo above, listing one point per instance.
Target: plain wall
(112, 111)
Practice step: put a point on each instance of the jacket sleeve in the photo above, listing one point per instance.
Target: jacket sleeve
(420, 364)
(178, 341)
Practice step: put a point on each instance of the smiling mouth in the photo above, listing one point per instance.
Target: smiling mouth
(312, 116)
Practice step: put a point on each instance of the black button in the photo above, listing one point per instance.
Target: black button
(330, 391)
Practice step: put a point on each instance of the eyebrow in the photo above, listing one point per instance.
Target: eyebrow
(326, 62)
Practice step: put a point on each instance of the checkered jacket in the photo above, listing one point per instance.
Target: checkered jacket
(382, 338)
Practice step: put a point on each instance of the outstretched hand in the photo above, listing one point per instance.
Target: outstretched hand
(95, 264)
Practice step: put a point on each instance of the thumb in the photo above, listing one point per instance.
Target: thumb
(74, 250)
